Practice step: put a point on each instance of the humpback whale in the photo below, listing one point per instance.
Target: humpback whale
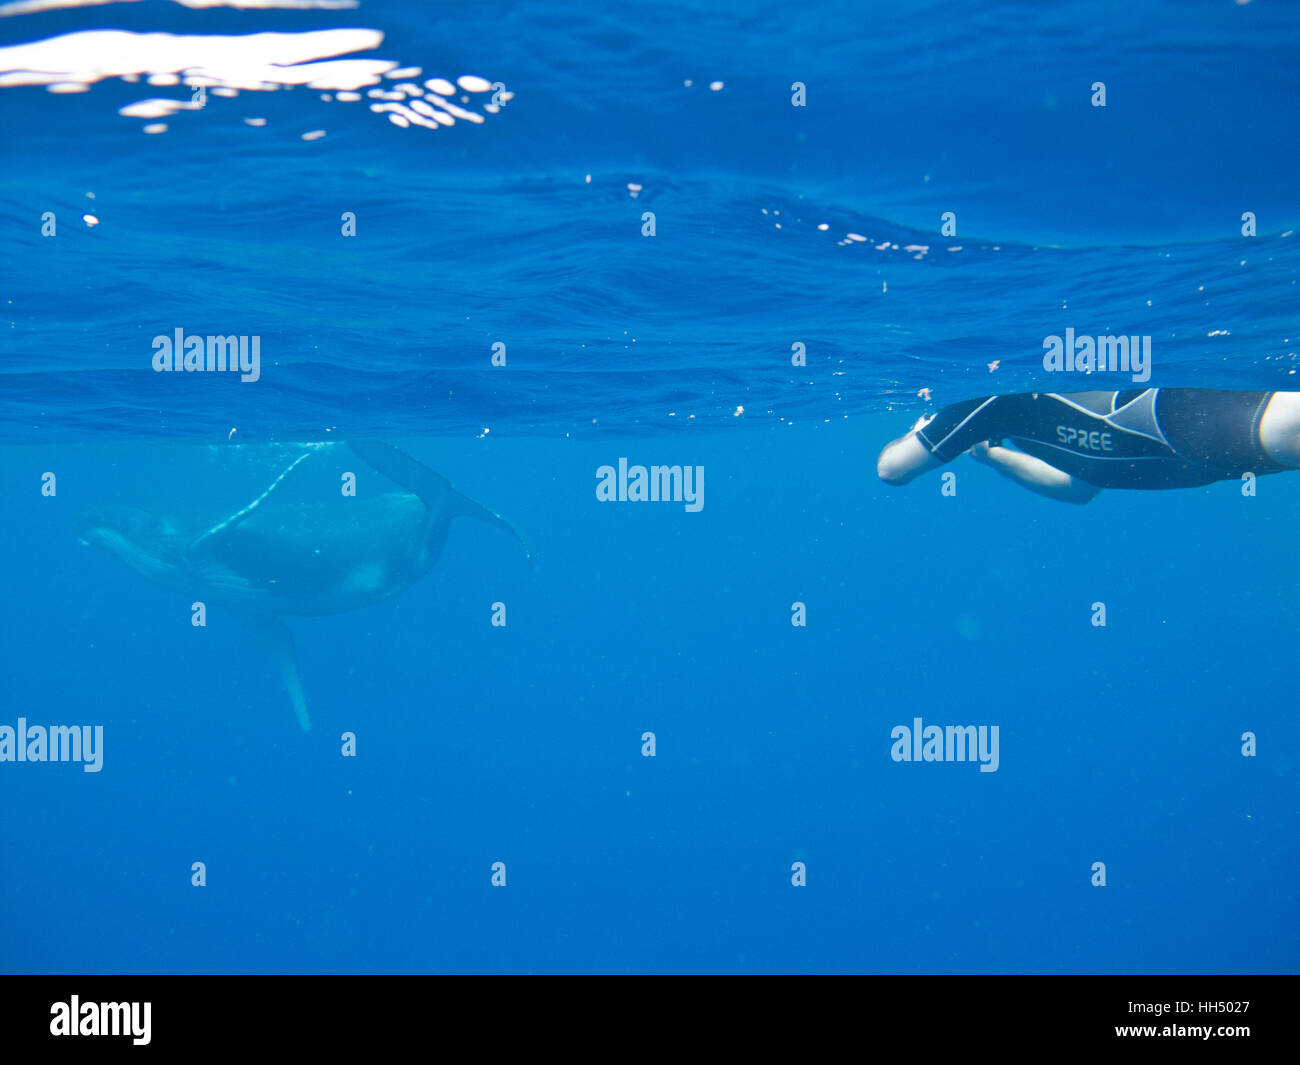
(273, 558)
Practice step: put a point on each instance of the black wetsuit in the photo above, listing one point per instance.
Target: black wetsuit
(1140, 438)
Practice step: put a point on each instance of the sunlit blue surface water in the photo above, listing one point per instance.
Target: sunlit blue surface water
(523, 745)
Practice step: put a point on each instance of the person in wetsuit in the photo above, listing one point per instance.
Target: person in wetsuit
(1070, 445)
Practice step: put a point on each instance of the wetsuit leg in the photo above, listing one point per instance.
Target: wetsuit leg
(1213, 428)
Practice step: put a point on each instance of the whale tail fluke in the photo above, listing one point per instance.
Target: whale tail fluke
(434, 490)
(465, 507)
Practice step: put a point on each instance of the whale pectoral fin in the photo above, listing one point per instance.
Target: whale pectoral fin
(434, 490)
(273, 634)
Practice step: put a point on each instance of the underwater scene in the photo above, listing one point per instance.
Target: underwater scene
(682, 487)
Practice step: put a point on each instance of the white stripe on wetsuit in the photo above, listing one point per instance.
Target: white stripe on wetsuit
(956, 428)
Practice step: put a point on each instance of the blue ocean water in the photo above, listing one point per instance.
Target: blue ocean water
(525, 234)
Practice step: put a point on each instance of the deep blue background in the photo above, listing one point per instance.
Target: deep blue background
(522, 745)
